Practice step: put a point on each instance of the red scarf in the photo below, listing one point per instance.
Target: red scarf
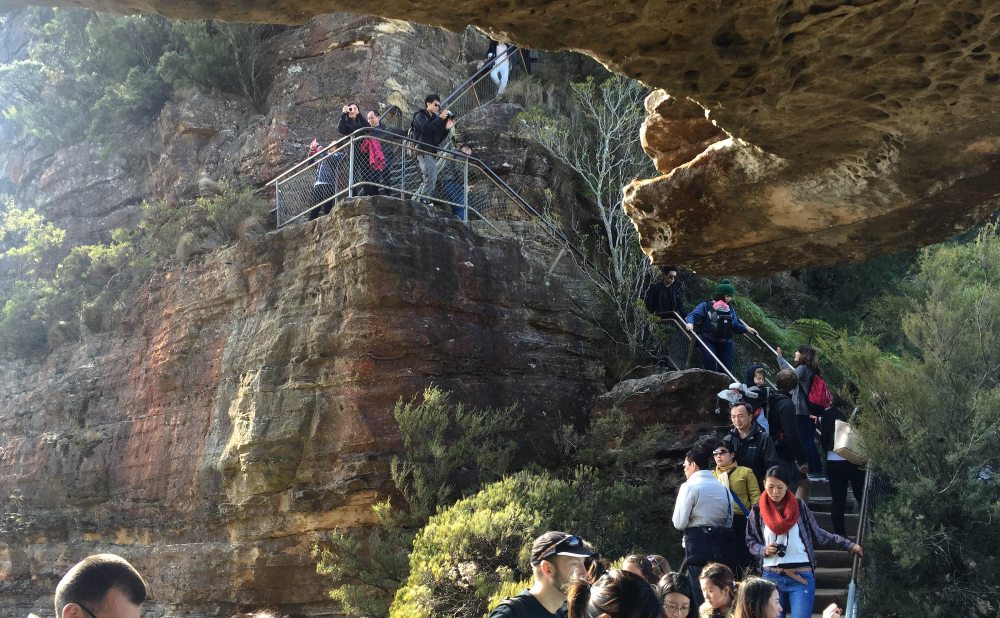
(779, 517)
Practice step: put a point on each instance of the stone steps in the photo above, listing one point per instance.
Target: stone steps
(833, 567)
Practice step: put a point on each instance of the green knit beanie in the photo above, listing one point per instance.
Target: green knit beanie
(725, 288)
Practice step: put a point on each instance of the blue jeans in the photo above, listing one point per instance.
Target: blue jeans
(796, 598)
(722, 349)
(807, 431)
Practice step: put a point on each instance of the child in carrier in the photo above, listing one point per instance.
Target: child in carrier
(756, 394)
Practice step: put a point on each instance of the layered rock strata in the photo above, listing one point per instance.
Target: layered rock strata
(245, 407)
(866, 127)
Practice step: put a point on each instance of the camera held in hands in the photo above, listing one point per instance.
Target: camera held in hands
(449, 115)
(781, 550)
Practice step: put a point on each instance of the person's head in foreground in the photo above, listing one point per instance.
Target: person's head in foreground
(618, 594)
(100, 586)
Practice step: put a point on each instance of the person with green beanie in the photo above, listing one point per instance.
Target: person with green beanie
(716, 322)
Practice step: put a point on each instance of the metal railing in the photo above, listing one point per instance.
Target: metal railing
(374, 161)
(861, 589)
(683, 348)
(482, 86)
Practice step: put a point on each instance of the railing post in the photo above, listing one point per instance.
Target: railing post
(277, 206)
(465, 195)
(402, 170)
(350, 169)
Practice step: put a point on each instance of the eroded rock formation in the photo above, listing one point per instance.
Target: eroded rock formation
(879, 116)
(246, 406)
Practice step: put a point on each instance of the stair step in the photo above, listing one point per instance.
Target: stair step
(825, 503)
(834, 558)
(825, 596)
(825, 522)
(832, 577)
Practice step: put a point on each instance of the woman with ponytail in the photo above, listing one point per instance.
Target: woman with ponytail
(783, 533)
(718, 586)
(617, 594)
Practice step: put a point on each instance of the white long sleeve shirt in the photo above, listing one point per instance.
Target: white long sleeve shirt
(702, 501)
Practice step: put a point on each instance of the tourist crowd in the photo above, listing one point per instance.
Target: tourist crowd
(383, 146)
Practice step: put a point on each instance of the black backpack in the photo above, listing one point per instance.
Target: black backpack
(718, 324)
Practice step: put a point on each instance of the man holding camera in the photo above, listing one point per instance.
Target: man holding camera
(429, 128)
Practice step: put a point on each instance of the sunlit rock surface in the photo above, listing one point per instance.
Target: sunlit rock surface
(245, 408)
(881, 114)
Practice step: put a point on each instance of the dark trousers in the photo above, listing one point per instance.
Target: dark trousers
(321, 192)
(722, 349)
(701, 546)
(807, 432)
(842, 473)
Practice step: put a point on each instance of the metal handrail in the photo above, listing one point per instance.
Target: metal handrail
(476, 77)
(336, 144)
(408, 143)
(851, 608)
(681, 323)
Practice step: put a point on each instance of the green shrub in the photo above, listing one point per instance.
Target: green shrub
(443, 454)
(442, 441)
(467, 554)
(102, 76)
(929, 423)
(369, 565)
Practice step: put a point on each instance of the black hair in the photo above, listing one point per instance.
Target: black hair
(720, 575)
(644, 565)
(740, 403)
(753, 597)
(618, 593)
(719, 296)
(809, 357)
(91, 579)
(675, 583)
(701, 458)
(666, 269)
(780, 473)
(786, 380)
(431, 98)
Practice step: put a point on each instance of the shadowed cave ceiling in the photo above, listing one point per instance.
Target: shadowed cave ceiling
(795, 133)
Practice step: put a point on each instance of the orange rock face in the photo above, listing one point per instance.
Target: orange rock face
(245, 409)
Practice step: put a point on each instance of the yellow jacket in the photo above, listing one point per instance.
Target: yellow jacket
(744, 485)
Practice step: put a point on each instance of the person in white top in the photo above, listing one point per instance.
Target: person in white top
(703, 511)
(500, 72)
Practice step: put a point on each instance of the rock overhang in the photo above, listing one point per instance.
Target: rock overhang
(844, 129)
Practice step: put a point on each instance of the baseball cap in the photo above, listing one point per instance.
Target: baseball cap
(556, 543)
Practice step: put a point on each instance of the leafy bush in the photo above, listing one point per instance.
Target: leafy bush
(444, 441)
(103, 76)
(443, 446)
(470, 553)
(42, 286)
(930, 425)
(369, 566)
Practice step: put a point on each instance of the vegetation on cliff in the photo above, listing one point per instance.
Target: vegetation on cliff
(49, 291)
(101, 76)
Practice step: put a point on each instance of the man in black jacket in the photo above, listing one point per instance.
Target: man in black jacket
(430, 127)
(662, 299)
(754, 448)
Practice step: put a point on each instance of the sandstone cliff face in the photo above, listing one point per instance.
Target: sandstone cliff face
(245, 407)
(869, 127)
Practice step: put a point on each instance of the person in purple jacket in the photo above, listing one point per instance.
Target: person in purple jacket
(783, 533)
